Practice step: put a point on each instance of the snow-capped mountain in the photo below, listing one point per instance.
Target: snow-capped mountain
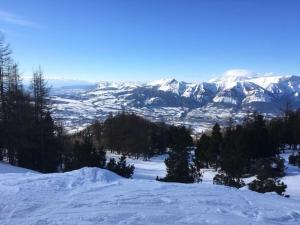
(198, 105)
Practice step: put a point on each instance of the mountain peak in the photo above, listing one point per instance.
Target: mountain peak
(165, 81)
(237, 75)
(195, 104)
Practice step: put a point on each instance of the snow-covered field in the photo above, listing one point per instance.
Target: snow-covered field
(96, 196)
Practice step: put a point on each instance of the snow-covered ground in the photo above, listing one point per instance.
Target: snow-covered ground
(7, 168)
(95, 196)
(292, 178)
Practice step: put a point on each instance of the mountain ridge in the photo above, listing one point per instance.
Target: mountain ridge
(198, 104)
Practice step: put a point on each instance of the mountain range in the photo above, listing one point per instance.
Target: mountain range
(198, 105)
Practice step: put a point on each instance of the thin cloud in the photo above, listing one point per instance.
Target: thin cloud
(16, 20)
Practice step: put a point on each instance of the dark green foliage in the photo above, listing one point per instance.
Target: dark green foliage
(50, 146)
(179, 168)
(179, 137)
(247, 149)
(201, 152)
(267, 185)
(28, 135)
(195, 173)
(269, 168)
(294, 159)
(215, 145)
(112, 164)
(233, 158)
(133, 135)
(85, 154)
(260, 138)
(121, 168)
(291, 128)
(227, 180)
(129, 134)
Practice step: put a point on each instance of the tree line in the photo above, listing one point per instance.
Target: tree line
(129, 134)
(250, 148)
(28, 135)
(30, 138)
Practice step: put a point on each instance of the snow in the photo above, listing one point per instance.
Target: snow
(7, 168)
(292, 178)
(225, 99)
(95, 196)
(149, 169)
(198, 105)
(232, 77)
(167, 85)
(266, 81)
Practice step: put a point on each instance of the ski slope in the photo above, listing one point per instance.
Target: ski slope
(7, 168)
(96, 196)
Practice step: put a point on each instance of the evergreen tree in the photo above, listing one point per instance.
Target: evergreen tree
(260, 138)
(5, 62)
(233, 160)
(215, 146)
(179, 168)
(121, 168)
(46, 150)
(268, 170)
(294, 159)
(201, 153)
(133, 135)
(51, 157)
(268, 185)
(5, 59)
(86, 154)
(40, 94)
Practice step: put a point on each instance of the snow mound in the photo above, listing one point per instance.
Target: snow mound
(87, 175)
(84, 178)
(91, 196)
(7, 168)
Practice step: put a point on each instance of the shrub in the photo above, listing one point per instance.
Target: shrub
(267, 185)
(294, 160)
(271, 167)
(121, 168)
(224, 179)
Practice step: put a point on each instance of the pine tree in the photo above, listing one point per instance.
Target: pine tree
(5, 60)
(52, 147)
(85, 154)
(40, 94)
(177, 164)
(268, 170)
(201, 152)
(232, 158)
(179, 168)
(121, 168)
(215, 146)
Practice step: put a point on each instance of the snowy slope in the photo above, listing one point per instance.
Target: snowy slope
(292, 178)
(198, 105)
(7, 168)
(94, 196)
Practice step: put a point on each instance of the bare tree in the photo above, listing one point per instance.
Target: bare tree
(40, 93)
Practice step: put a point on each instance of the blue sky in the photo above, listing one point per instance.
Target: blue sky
(152, 39)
